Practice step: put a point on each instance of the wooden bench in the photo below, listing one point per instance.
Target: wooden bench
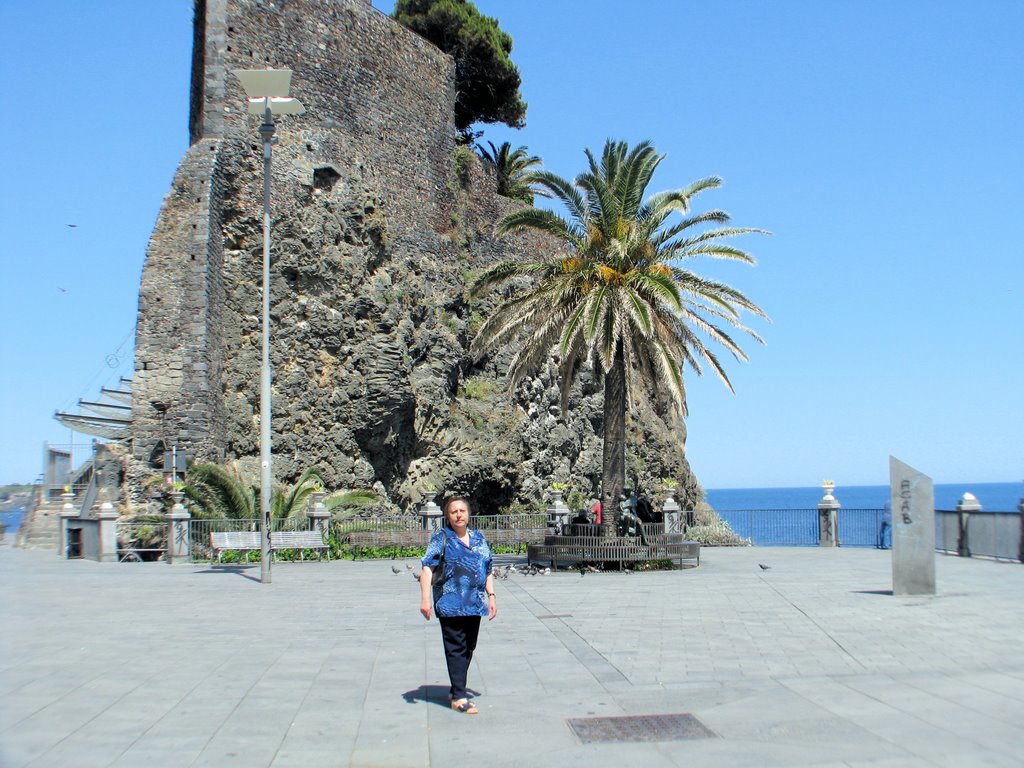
(248, 541)
(374, 539)
(508, 536)
(299, 540)
(593, 549)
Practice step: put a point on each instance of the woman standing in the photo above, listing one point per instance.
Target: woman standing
(463, 594)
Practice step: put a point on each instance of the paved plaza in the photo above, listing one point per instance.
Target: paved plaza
(809, 663)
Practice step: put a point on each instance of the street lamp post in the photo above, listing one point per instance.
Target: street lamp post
(267, 92)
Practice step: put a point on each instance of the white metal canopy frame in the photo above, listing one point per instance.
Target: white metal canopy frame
(267, 92)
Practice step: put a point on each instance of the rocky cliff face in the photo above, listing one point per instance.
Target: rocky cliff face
(377, 231)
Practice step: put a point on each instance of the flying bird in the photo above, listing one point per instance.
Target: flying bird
(72, 225)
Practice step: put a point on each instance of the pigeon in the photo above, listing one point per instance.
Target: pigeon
(395, 570)
(764, 567)
(416, 575)
(408, 567)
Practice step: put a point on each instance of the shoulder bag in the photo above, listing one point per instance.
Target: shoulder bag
(437, 574)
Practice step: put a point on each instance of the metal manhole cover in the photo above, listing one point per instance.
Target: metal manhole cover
(643, 728)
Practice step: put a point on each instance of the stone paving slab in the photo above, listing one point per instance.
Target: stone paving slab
(809, 663)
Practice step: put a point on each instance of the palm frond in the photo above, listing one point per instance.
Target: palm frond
(622, 296)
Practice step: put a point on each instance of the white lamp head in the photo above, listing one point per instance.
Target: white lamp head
(268, 88)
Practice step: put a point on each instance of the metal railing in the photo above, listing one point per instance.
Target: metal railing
(513, 530)
(998, 535)
(775, 527)
(343, 526)
(989, 534)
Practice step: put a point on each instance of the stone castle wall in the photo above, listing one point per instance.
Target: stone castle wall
(376, 231)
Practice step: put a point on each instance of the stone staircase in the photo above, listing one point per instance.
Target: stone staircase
(40, 529)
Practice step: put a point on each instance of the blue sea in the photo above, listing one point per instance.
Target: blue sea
(12, 519)
(994, 497)
(789, 517)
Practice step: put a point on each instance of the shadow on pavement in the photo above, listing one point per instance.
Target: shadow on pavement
(432, 694)
(238, 570)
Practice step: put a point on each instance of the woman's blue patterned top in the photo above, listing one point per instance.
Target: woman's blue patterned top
(464, 573)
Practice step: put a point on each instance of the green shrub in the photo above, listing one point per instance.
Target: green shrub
(479, 388)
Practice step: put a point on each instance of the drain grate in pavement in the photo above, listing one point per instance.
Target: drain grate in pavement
(645, 728)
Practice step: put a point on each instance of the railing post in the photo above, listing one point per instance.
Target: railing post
(670, 512)
(107, 516)
(431, 514)
(1020, 552)
(558, 513)
(828, 518)
(67, 511)
(968, 503)
(318, 514)
(179, 539)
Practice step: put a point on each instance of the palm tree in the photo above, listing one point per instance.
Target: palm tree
(622, 297)
(513, 169)
(216, 492)
(219, 492)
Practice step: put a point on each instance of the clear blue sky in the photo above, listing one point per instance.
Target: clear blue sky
(879, 141)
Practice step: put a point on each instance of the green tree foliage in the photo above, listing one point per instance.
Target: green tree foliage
(514, 170)
(218, 492)
(486, 80)
(214, 491)
(624, 297)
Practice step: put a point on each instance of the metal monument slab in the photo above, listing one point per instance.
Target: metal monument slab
(913, 530)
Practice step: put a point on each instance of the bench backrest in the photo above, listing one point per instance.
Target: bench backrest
(235, 539)
(288, 539)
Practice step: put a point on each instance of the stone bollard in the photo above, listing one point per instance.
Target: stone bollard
(828, 519)
(431, 514)
(318, 514)
(1020, 552)
(670, 513)
(67, 511)
(558, 513)
(179, 542)
(107, 515)
(968, 503)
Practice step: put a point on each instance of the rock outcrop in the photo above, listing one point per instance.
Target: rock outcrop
(379, 224)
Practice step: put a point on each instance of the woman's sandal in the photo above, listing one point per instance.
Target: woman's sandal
(465, 706)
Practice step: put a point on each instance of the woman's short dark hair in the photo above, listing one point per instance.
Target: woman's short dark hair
(457, 497)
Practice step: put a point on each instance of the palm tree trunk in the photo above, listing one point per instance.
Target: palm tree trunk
(613, 465)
